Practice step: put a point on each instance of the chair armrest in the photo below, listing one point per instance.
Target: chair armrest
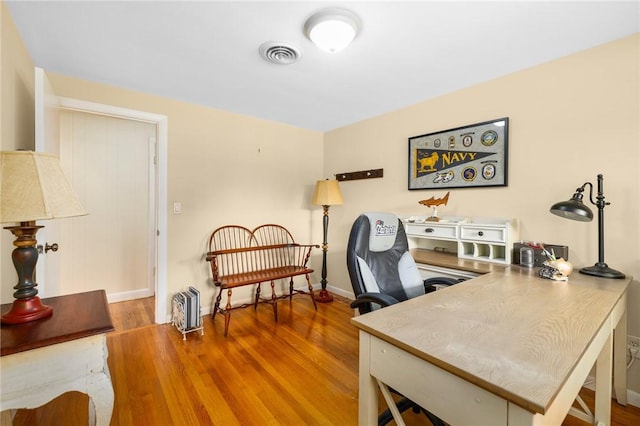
(377, 298)
(430, 283)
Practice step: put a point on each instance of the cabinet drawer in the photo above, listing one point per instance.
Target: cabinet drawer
(479, 233)
(428, 230)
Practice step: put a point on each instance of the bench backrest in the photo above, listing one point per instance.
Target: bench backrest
(235, 250)
(224, 255)
(270, 234)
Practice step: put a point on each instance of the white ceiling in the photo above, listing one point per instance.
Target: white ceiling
(406, 52)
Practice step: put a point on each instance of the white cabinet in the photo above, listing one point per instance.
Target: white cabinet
(482, 239)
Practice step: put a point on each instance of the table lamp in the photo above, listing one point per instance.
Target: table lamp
(327, 193)
(575, 209)
(32, 187)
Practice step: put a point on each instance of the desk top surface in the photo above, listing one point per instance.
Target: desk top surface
(508, 331)
(74, 316)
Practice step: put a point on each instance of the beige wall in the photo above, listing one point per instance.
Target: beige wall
(570, 119)
(16, 121)
(225, 169)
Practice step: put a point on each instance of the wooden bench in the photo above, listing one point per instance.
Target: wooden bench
(240, 257)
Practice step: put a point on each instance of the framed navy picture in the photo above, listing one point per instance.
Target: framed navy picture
(471, 156)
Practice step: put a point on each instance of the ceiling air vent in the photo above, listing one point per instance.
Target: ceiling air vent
(279, 52)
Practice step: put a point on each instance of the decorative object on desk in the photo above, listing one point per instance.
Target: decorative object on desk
(464, 157)
(32, 187)
(575, 209)
(526, 256)
(538, 255)
(563, 266)
(434, 203)
(327, 193)
(551, 273)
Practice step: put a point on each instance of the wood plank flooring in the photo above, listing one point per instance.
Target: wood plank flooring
(133, 313)
(300, 371)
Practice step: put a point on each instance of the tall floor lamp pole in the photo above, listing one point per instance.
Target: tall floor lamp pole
(327, 193)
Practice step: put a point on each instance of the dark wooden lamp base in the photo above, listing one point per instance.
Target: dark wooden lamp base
(324, 296)
(27, 305)
(25, 310)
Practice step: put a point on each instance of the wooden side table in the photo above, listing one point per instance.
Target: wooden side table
(67, 351)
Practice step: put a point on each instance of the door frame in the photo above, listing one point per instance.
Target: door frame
(160, 237)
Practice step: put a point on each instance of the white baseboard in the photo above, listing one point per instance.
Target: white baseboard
(129, 295)
(633, 398)
(335, 290)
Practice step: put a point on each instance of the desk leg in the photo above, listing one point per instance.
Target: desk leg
(368, 392)
(620, 359)
(603, 384)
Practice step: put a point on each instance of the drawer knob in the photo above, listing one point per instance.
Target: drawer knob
(480, 233)
(428, 230)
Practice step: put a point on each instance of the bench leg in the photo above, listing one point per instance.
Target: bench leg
(257, 297)
(313, 296)
(216, 306)
(291, 289)
(274, 301)
(227, 313)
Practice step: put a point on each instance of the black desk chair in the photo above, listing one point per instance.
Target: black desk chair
(383, 273)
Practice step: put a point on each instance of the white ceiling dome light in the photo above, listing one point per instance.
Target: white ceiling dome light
(332, 29)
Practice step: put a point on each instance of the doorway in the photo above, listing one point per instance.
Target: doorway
(157, 175)
(109, 161)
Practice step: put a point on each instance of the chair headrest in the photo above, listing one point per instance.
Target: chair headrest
(383, 228)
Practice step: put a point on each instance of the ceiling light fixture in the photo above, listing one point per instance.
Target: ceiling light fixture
(332, 29)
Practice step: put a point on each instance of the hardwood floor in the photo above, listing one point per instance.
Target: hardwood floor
(133, 313)
(300, 371)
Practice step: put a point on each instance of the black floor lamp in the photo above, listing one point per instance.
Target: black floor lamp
(327, 193)
(575, 209)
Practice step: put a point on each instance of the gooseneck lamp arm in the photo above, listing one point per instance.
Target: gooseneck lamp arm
(574, 209)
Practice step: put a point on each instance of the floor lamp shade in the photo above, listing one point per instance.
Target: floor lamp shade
(327, 193)
(32, 187)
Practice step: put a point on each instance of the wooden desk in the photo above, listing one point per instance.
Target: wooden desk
(506, 348)
(64, 352)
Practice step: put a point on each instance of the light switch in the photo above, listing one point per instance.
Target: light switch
(177, 208)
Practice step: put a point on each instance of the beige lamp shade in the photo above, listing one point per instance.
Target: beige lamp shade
(327, 193)
(34, 187)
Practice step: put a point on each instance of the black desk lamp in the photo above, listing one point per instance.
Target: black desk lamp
(575, 209)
